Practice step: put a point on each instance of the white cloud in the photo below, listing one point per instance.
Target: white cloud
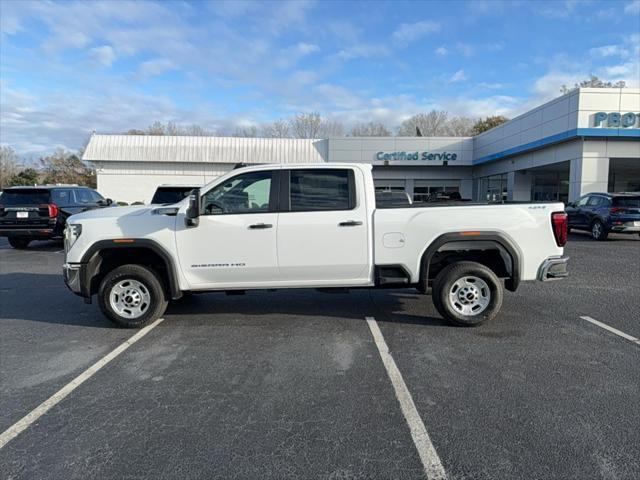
(632, 7)
(104, 55)
(307, 48)
(407, 33)
(154, 67)
(608, 51)
(459, 76)
(362, 50)
(442, 51)
(491, 86)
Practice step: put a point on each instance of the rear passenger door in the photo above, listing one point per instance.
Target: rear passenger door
(323, 227)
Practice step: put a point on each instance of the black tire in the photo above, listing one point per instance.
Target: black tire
(450, 310)
(19, 243)
(598, 231)
(151, 286)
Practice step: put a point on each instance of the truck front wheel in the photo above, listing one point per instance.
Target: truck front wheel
(132, 296)
(467, 293)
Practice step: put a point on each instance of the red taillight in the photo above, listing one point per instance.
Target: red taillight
(53, 210)
(617, 210)
(560, 225)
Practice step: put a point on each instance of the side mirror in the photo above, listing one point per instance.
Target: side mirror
(109, 202)
(193, 210)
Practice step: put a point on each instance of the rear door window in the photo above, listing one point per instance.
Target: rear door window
(84, 196)
(321, 189)
(628, 202)
(62, 197)
(24, 197)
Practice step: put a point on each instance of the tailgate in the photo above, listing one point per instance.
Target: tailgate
(24, 208)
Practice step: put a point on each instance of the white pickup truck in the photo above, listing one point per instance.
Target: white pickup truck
(309, 226)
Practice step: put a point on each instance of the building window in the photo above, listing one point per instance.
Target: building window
(425, 190)
(492, 188)
(550, 187)
(389, 185)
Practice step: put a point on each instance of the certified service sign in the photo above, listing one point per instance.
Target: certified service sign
(416, 156)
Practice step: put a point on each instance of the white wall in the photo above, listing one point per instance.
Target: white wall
(137, 181)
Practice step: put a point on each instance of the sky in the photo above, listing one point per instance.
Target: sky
(69, 68)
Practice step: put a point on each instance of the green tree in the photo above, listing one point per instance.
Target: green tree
(482, 125)
(26, 177)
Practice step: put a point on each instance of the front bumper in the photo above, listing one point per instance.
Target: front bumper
(553, 268)
(73, 274)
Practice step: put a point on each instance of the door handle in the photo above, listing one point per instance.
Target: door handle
(258, 226)
(349, 223)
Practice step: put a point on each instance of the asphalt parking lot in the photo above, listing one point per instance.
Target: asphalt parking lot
(292, 384)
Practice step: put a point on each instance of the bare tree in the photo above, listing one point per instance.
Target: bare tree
(593, 82)
(430, 124)
(135, 131)
(459, 127)
(8, 165)
(331, 128)
(246, 132)
(172, 129)
(371, 129)
(66, 167)
(306, 125)
(482, 125)
(197, 131)
(277, 129)
(156, 128)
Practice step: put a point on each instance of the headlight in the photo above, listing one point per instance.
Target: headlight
(71, 234)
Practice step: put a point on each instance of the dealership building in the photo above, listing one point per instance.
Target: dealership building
(585, 141)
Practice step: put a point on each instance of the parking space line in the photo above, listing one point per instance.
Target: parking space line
(611, 329)
(430, 460)
(22, 424)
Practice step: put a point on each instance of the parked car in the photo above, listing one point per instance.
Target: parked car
(602, 213)
(40, 212)
(170, 194)
(309, 226)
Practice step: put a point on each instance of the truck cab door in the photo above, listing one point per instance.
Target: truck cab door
(323, 228)
(234, 243)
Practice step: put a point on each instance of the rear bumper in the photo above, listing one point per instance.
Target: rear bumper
(553, 268)
(28, 232)
(625, 229)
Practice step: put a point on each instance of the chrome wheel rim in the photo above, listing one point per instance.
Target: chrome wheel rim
(469, 296)
(130, 298)
(596, 230)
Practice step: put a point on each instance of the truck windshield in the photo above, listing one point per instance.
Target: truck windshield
(170, 194)
(24, 197)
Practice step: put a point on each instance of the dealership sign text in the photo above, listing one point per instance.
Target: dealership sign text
(617, 119)
(408, 156)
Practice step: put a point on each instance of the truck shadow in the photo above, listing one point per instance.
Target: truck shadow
(44, 298)
(385, 306)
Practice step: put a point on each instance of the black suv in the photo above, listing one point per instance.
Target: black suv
(170, 194)
(40, 213)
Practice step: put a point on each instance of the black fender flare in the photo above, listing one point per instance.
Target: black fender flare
(91, 261)
(509, 252)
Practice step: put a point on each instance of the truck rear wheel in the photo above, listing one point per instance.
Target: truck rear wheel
(467, 293)
(132, 296)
